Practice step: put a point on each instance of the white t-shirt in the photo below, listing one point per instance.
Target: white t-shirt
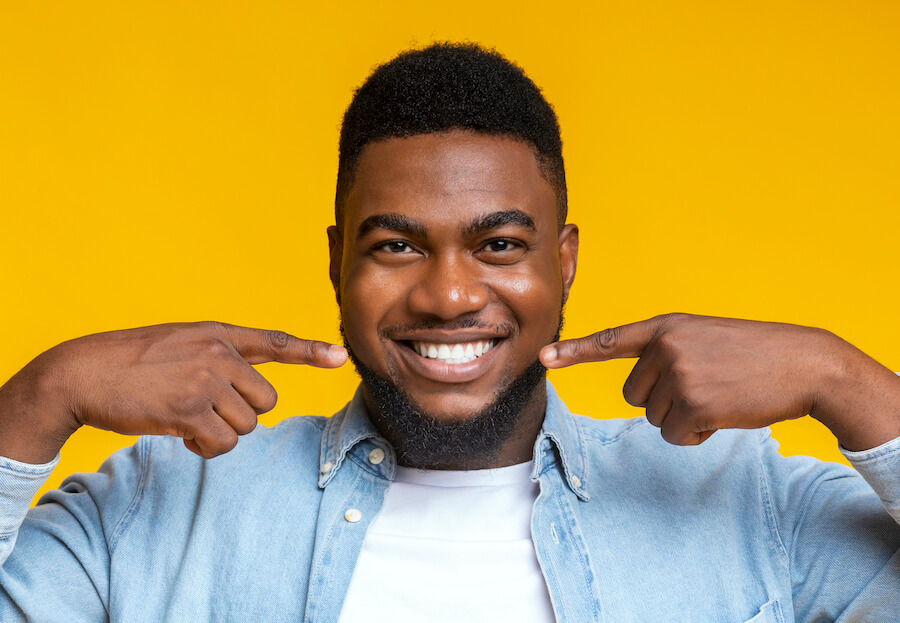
(451, 546)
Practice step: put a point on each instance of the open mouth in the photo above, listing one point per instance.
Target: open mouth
(456, 353)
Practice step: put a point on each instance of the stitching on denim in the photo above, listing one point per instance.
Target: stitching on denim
(24, 470)
(143, 448)
(322, 569)
(868, 456)
(582, 492)
(318, 422)
(766, 497)
(598, 436)
(568, 517)
(365, 465)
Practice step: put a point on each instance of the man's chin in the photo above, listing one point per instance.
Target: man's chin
(446, 408)
(454, 434)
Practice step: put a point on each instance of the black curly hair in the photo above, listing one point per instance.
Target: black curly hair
(448, 86)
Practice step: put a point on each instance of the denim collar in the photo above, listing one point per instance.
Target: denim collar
(560, 437)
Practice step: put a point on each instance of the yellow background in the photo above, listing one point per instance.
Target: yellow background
(175, 161)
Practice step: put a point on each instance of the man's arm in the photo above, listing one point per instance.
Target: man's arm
(697, 374)
(194, 381)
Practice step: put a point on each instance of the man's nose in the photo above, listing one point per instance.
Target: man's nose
(449, 289)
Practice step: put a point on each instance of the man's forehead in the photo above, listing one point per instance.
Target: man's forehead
(454, 173)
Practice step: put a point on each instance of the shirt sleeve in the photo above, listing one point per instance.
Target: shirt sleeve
(880, 467)
(19, 482)
(841, 547)
(56, 567)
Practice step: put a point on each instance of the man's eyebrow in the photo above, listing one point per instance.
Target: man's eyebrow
(394, 222)
(496, 219)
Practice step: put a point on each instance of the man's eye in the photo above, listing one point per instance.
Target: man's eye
(394, 246)
(502, 251)
(501, 246)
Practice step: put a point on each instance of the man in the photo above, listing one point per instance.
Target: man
(455, 485)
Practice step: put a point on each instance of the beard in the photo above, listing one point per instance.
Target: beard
(426, 442)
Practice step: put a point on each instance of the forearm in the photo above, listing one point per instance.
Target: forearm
(859, 401)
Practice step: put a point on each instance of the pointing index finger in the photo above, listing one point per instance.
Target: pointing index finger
(264, 345)
(626, 341)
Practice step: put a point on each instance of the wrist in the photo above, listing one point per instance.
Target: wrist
(858, 399)
(35, 417)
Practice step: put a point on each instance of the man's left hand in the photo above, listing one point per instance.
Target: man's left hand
(697, 374)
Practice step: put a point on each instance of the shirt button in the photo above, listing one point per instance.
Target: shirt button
(327, 467)
(353, 515)
(576, 481)
(376, 456)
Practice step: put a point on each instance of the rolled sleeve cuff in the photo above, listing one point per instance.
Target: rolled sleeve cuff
(880, 466)
(19, 482)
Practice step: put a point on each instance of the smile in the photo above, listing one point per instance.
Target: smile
(461, 352)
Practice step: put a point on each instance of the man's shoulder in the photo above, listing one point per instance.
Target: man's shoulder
(609, 431)
(625, 441)
(289, 443)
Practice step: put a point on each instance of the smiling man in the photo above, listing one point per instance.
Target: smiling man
(454, 262)
(455, 485)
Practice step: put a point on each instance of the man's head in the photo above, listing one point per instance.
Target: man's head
(450, 257)
(450, 86)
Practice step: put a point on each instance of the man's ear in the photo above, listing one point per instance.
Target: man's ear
(568, 256)
(336, 251)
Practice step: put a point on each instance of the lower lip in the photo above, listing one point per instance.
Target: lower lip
(441, 372)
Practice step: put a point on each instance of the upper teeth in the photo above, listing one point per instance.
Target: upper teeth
(463, 352)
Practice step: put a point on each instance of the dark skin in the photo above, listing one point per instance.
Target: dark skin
(449, 270)
(448, 229)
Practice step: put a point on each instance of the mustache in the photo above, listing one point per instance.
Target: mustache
(433, 324)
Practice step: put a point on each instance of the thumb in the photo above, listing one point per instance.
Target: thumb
(626, 341)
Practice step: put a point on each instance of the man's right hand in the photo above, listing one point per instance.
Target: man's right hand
(191, 380)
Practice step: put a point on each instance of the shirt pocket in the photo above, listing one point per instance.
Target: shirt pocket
(769, 613)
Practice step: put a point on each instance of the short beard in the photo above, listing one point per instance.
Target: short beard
(422, 441)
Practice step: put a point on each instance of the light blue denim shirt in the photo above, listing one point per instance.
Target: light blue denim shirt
(627, 528)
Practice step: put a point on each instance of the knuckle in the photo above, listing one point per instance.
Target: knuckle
(222, 442)
(312, 349)
(268, 398)
(608, 338)
(695, 402)
(218, 349)
(212, 326)
(681, 371)
(247, 425)
(629, 393)
(671, 318)
(605, 340)
(668, 342)
(202, 378)
(277, 340)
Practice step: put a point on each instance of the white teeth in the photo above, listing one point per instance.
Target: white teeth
(453, 353)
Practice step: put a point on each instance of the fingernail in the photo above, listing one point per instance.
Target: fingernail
(337, 353)
(550, 354)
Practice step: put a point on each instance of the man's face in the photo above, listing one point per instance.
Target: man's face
(451, 268)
